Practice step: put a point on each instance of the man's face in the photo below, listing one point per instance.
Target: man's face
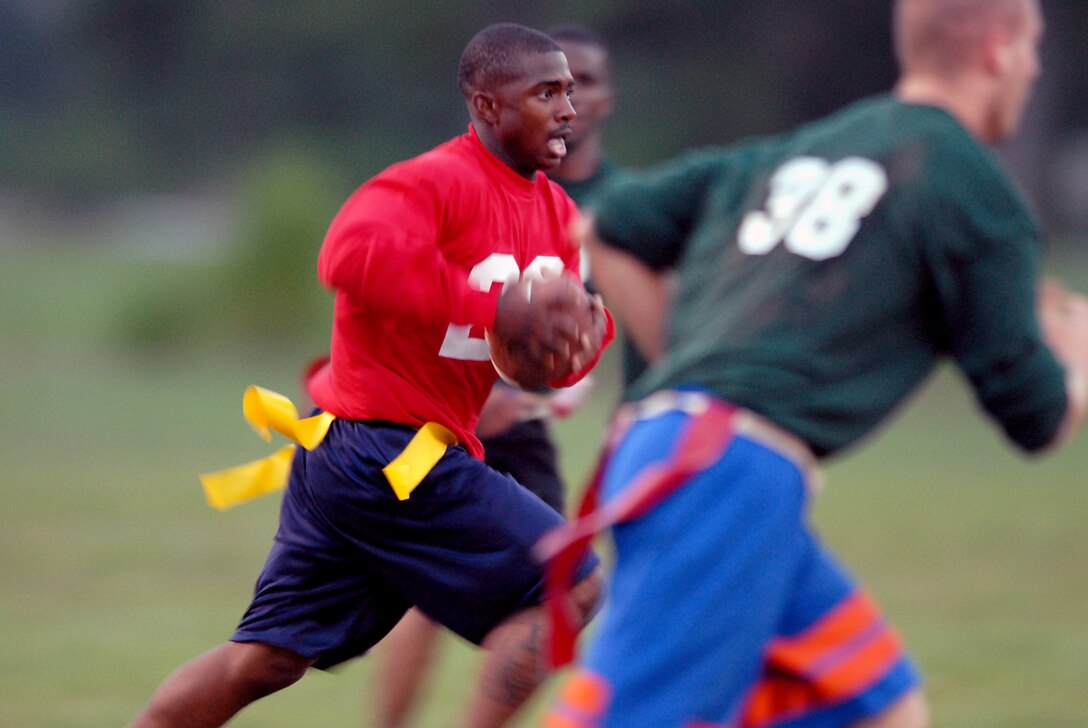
(1022, 69)
(534, 113)
(593, 94)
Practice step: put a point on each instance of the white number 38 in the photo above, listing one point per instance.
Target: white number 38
(814, 207)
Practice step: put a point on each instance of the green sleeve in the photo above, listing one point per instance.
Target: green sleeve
(651, 214)
(985, 269)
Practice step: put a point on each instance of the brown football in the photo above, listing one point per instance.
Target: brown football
(520, 353)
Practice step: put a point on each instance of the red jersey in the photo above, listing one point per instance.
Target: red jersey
(418, 256)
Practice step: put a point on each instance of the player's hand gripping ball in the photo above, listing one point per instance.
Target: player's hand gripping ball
(545, 330)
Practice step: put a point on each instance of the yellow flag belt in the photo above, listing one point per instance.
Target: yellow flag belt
(267, 411)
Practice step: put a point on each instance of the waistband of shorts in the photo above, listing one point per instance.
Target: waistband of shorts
(746, 423)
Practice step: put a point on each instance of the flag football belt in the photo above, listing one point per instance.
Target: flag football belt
(267, 411)
(706, 436)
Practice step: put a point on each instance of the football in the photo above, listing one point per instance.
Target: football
(544, 331)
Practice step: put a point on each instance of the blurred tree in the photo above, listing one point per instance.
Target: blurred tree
(269, 289)
(111, 96)
(264, 291)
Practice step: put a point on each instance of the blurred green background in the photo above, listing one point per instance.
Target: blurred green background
(167, 170)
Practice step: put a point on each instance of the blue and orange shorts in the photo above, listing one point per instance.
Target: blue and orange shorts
(724, 609)
(350, 558)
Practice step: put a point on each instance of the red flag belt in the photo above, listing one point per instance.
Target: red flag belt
(706, 436)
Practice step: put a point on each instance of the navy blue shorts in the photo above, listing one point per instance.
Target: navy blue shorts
(349, 558)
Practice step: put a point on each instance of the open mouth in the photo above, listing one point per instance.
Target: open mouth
(557, 142)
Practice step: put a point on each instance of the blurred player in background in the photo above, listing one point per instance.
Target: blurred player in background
(386, 513)
(822, 275)
(587, 169)
(514, 425)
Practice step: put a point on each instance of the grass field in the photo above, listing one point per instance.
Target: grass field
(115, 571)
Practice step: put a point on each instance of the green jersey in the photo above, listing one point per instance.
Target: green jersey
(583, 190)
(823, 273)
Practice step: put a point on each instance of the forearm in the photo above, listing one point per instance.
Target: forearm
(636, 295)
(399, 274)
(384, 249)
(1063, 316)
(1076, 388)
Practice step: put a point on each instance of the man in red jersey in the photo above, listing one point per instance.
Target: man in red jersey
(424, 258)
(515, 426)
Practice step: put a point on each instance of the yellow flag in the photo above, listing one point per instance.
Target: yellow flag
(423, 452)
(227, 488)
(267, 410)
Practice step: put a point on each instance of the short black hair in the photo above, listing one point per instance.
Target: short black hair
(577, 34)
(487, 61)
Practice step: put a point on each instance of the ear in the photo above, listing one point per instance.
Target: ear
(998, 53)
(609, 104)
(485, 107)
